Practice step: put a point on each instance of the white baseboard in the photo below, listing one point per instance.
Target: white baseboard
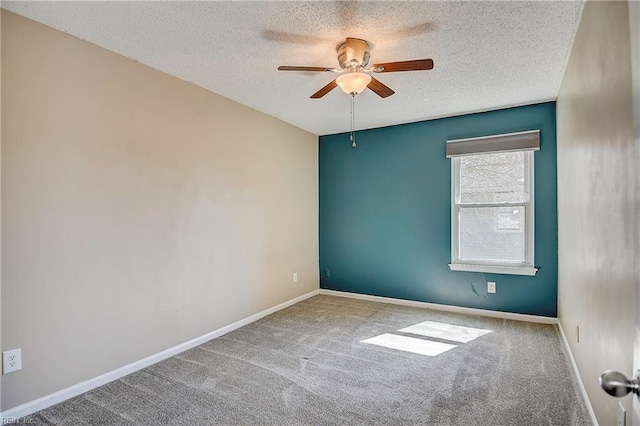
(75, 390)
(448, 308)
(583, 390)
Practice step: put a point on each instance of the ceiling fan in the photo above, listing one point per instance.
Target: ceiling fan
(353, 57)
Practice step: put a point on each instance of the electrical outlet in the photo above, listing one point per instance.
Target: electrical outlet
(577, 334)
(295, 277)
(11, 361)
(327, 272)
(491, 287)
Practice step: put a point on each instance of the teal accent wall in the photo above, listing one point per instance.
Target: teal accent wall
(385, 214)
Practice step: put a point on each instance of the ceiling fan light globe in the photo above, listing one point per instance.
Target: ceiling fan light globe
(353, 82)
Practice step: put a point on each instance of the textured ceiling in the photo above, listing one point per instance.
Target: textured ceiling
(487, 55)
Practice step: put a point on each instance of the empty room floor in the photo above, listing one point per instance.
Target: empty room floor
(334, 360)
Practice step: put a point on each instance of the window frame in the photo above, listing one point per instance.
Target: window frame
(512, 268)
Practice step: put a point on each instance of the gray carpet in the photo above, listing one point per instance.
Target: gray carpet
(306, 365)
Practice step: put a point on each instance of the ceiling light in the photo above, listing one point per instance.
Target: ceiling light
(353, 82)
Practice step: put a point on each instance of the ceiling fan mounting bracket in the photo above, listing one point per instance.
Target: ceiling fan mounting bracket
(353, 52)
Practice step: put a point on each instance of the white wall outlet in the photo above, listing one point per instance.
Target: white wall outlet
(295, 277)
(491, 287)
(327, 272)
(11, 361)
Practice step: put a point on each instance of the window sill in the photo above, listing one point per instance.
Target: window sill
(491, 269)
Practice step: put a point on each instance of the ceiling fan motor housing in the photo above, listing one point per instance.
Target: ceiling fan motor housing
(353, 53)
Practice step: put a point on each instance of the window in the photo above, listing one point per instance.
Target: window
(492, 214)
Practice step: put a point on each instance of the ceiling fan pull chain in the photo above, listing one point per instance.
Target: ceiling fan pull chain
(353, 120)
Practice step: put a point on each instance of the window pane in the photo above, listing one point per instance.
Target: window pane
(492, 234)
(487, 178)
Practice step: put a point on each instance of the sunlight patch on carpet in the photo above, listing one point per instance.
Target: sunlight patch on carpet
(440, 330)
(409, 344)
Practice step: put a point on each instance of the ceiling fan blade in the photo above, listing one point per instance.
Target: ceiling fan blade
(380, 89)
(326, 89)
(288, 68)
(416, 65)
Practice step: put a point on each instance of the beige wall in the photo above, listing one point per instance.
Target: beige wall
(597, 199)
(138, 211)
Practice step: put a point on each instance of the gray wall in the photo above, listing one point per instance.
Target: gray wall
(597, 199)
(634, 20)
(138, 211)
